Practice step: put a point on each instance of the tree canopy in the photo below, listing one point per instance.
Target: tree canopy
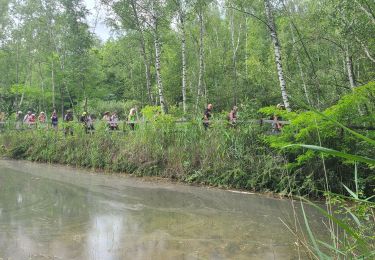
(185, 53)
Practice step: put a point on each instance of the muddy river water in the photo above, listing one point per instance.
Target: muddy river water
(55, 212)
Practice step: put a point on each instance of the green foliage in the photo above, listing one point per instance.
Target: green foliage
(222, 156)
(150, 112)
(356, 109)
(352, 232)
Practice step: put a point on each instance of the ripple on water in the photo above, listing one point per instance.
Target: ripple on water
(52, 212)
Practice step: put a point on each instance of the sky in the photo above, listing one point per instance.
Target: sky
(97, 18)
(97, 11)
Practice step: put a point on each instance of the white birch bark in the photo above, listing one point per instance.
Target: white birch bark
(201, 59)
(246, 43)
(143, 52)
(277, 49)
(183, 54)
(366, 11)
(235, 44)
(365, 48)
(41, 86)
(349, 67)
(53, 83)
(163, 105)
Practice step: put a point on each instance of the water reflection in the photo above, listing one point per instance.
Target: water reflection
(56, 212)
(104, 237)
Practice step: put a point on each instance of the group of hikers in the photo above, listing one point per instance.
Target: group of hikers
(112, 121)
(86, 119)
(207, 115)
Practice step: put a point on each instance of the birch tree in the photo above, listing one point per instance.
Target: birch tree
(155, 16)
(277, 50)
(235, 43)
(140, 28)
(182, 6)
(199, 10)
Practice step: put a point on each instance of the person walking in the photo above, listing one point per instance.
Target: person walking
(42, 120)
(232, 116)
(207, 116)
(68, 121)
(32, 121)
(26, 118)
(113, 123)
(19, 120)
(107, 118)
(132, 118)
(54, 120)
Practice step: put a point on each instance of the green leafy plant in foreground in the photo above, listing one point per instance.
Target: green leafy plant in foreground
(342, 129)
(351, 219)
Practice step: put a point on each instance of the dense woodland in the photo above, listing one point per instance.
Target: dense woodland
(170, 58)
(180, 55)
(185, 53)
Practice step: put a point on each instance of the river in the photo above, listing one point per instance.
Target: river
(57, 212)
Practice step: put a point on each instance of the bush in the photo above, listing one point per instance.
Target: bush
(222, 156)
(356, 110)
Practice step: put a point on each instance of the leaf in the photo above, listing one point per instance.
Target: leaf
(331, 248)
(356, 220)
(311, 235)
(358, 135)
(362, 243)
(355, 158)
(355, 196)
(356, 179)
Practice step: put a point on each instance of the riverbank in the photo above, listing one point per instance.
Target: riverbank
(154, 180)
(221, 157)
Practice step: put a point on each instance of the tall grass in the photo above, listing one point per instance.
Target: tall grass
(350, 218)
(222, 156)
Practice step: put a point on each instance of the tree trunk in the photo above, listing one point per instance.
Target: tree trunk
(349, 68)
(246, 43)
(235, 44)
(365, 48)
(183, 55)
(299, 63)
(143, 52)
(62, 102)
(163, 105)
(53, 84)
(29, 77)
(201, 60)
(277, 49)
(17, 74)
(369, 13)
(42, 85)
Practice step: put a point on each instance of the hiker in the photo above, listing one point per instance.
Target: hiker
(232, 116)
(90, 122)
(32, 121)
(87, 122)
(132, 118)
(27, 117)
(42, 120)
(207, 116)
(113, 123)
(83, 120)
(107, 118)
(54, 120)
(19, 120)
(276, 125)
(68, 120)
